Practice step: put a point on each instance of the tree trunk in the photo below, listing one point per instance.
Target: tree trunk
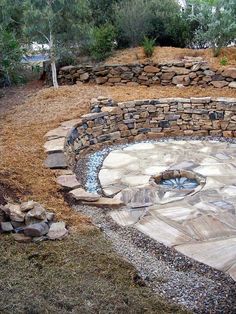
(54, 74)
(53, 62)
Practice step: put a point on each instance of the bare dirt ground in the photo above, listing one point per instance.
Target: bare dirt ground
(163, 54)
(80, 274)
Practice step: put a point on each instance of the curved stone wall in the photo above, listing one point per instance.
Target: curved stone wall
(110, 122)
(187, 72)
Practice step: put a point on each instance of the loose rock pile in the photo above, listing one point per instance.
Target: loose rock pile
(189, 71)
(30, 221)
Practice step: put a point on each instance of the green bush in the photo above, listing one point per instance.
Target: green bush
(224, 61)
(103, 41)
(10, 57)
(148, 46)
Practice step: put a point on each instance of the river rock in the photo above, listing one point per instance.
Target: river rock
(36, 230)
(57, 231)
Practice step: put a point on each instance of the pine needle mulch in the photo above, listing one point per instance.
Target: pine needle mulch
(23, 129)
(163, 54)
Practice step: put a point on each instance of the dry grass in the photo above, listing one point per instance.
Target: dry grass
(162, 54)
(24, 127)
(78, 275)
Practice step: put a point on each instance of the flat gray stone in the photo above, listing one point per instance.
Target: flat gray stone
(60, 132)
(36, 230)
(68, 181)
(220, 254)
(56, 161)
(6, 227)
(57, 231)
(82, 195)
(161, 231)
(55, 145)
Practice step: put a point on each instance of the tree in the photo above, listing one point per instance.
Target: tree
(169, 25)
(133, 20)
(10, 57)
(58, 23)
(216, 24)
(102, 11)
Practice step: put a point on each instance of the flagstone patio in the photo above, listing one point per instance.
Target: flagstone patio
(201, 222)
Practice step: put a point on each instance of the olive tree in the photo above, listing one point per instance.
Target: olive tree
(216, 24)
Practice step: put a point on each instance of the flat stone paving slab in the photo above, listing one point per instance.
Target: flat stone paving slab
(200, 224)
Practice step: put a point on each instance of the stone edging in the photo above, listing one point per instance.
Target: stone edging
(186, 72)
(118, 123)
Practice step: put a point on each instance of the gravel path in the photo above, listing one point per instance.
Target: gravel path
(173, 276)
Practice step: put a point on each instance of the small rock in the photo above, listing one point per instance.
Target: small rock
(36, 230)
(26, 206)
(15, 213)
(50, 216)
(232, 85)
(82, 195)
(56, 161)
(57, 231)
(37, 213)
(6, 227)
(231, 72)
(68, 181)
(20, 237)
(219, 84)
(84, 77)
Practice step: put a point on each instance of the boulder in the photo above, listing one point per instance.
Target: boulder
(82, 195)
(231, 72)
(57, 231)
(36, 230)
(55, 145)
(219, 84)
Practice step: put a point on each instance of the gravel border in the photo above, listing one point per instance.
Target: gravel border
(170, 274)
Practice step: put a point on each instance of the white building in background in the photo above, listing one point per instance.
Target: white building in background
(182, 3)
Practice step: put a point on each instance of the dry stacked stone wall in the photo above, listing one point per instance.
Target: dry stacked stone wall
(115, 123)
(187, 72)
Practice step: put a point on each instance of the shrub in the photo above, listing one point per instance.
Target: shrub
(133, 20)
(224, 61)
(10, 58)
(103, 41)
(148, 46)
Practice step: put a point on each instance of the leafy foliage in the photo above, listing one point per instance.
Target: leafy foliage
(10, 57)
(103, 41)
(216, 24)
(224, 61)
(148, 46)
(133, 20)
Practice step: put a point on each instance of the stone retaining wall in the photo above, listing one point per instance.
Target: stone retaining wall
(189, 71)
(113, 123)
